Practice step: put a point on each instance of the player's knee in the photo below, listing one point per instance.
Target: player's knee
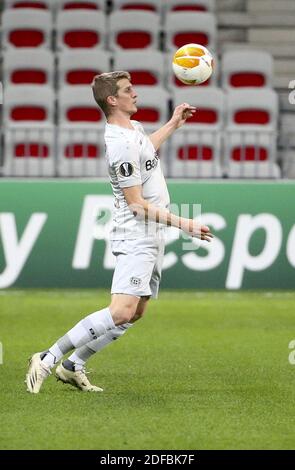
(122, 313)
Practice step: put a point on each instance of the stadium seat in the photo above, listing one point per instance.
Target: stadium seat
(81, 152)
(80, 29)
(134, 30)
(82, 5)
(28, 66)
(190, 5)
(29, 151)
(209, 103)
(78, 67)
(40, 4)
(196, 148)
(26, 27)
(250, 140)
(190, 27)
(145, 5)
(247, 68)
(80, 133)
(146, 67)
(28, 105)
(29, 131)
(152, 106)
(78, 107)
(195, 154)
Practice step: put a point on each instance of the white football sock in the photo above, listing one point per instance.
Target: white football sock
(90, 328)
(82, 354)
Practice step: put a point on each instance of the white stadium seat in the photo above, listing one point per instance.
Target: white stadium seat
(29, 105)
(26, 27)
(134, 30)
(80, 29)
(190, 27)
(251, 132)
(78, 107)
(147, 67)
(33, 66)
(81, 5)
(81, 152)
(152, 107)
(29, 131)
(38, 4)
(143, 5)
(190, 5)
(247, 68)
(77, 67)
(196, 148)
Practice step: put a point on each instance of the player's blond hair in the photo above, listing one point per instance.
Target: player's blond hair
(105, 85)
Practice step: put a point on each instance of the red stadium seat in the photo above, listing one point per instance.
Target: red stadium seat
(39, 4)
(251, 133)
(80, 29)
(190, 27)
(29, 131)
(152, 106)
(144, 5)
(38, 70)
(146, 67)
(26, 27)
(196, 149)
(76, 67)
(134, 30)
(77, 106)
(190, 5)
(81, 5)
(29, 105)
(247, 68)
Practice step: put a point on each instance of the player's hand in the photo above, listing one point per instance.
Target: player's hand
(181, 113)
(196, 230)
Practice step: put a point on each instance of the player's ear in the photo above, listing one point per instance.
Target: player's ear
(111, 100)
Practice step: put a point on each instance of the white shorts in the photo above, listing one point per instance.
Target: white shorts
(138, 266)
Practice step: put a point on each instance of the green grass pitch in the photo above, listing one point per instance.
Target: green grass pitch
(202, 370)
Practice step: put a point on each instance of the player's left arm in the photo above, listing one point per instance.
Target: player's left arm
(180, 115)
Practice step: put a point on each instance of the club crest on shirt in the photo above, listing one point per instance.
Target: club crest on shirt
(126, 169)
(135, 281)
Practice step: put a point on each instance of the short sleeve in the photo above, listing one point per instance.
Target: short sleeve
(127, 165)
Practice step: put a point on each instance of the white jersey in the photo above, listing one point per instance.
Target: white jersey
(132, 161)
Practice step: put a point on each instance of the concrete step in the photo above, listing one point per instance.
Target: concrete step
(231, 5)
(272, 35)
(284, 67)
(281, 6)
(277, 50)
(229, 34)
(247, 20)
(281, 82)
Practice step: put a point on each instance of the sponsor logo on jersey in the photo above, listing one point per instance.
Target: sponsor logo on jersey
(150, 164)
(126, 169)
(135, 281)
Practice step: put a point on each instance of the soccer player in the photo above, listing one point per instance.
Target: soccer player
(141, 215)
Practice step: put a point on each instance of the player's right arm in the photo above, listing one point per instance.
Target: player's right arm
(146, 211)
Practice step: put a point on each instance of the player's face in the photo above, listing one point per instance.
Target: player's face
(126, 97)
